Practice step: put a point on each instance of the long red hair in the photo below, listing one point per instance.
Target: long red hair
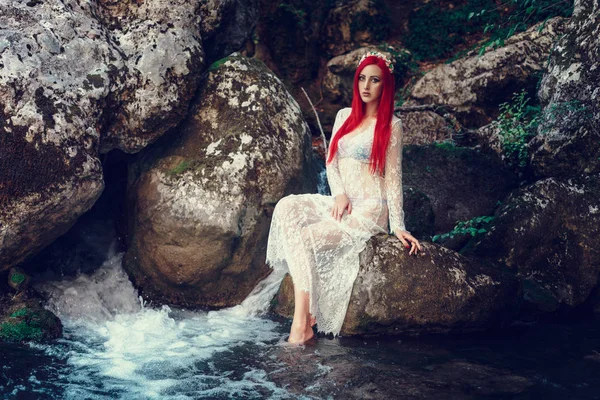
(383, 126)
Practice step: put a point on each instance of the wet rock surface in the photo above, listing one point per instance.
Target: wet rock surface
(22, 315)
(202, 201)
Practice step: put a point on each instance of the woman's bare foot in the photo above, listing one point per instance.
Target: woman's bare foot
(300, 333)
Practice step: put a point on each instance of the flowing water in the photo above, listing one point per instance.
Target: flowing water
(116, 346)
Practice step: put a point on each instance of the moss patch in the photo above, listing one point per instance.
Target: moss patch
(17, 279)
(19, 332)
(214, 66)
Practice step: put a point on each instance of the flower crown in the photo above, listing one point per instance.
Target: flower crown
(379, 55)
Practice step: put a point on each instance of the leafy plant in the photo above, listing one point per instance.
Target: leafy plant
(474, 226)
(298, 13)
(435, 29)
(517, 124)
(521, 15)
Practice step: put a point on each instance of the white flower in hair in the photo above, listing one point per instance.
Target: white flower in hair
(379, 55)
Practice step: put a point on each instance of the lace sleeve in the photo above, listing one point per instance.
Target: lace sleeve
(333, 174)
(393, 179)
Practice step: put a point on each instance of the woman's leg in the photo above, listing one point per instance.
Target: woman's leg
(301, 330)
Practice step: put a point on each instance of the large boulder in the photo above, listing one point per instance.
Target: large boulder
(201, 199)
(547, 233)
(426, 127)
(437, 291)
(476, 85)
(460, 183)
(78, 78)
(567, 142)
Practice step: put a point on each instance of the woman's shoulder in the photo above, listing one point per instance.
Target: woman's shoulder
(344, 112)
(396, 122)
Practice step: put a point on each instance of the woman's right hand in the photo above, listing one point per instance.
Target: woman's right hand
(341, 202)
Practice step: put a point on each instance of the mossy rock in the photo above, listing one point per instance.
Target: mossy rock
(27, 320)
(17, 279)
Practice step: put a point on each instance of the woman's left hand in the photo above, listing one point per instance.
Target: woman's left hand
(405, 237)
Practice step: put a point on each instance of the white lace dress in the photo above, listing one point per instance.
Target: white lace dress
(320, 253)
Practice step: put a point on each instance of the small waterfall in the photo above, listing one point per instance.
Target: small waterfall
(115, 344)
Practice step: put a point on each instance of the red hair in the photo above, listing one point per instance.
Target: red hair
(383, 126)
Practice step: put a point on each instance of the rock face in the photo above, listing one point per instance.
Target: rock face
(548, 233)
(22, 316)
(425, 127)
(81, 80)
(226, 25)
(568, 143)
(202, 201)
(459, 182)
(477, 85)
(437, 291)
(356, 23)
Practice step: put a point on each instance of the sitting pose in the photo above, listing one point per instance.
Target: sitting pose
(318, 238)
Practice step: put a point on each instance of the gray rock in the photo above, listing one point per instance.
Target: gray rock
(79, 78)
(438, 291)
(202, 200)
(547, 233)
(568, 140)
(426, 127)
(226, 25)
(460, 183)
(477, 85)
(356, 23)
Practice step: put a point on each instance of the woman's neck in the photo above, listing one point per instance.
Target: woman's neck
(371, 109)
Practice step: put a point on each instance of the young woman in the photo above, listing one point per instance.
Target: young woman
(318, 238)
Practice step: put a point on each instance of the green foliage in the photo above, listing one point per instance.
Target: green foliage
(435, 30)
(474, 226)
(446, 145)
(17, 278)
(184, 165)
(517, 124)
(298, 13)
(21, 312)
(521, 15)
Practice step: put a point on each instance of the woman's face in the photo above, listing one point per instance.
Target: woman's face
(370, 85)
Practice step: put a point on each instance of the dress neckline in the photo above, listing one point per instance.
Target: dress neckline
(358, 130)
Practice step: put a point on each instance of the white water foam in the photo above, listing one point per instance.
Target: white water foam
(116, 346)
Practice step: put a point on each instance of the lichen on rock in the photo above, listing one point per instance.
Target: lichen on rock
(203, 199)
